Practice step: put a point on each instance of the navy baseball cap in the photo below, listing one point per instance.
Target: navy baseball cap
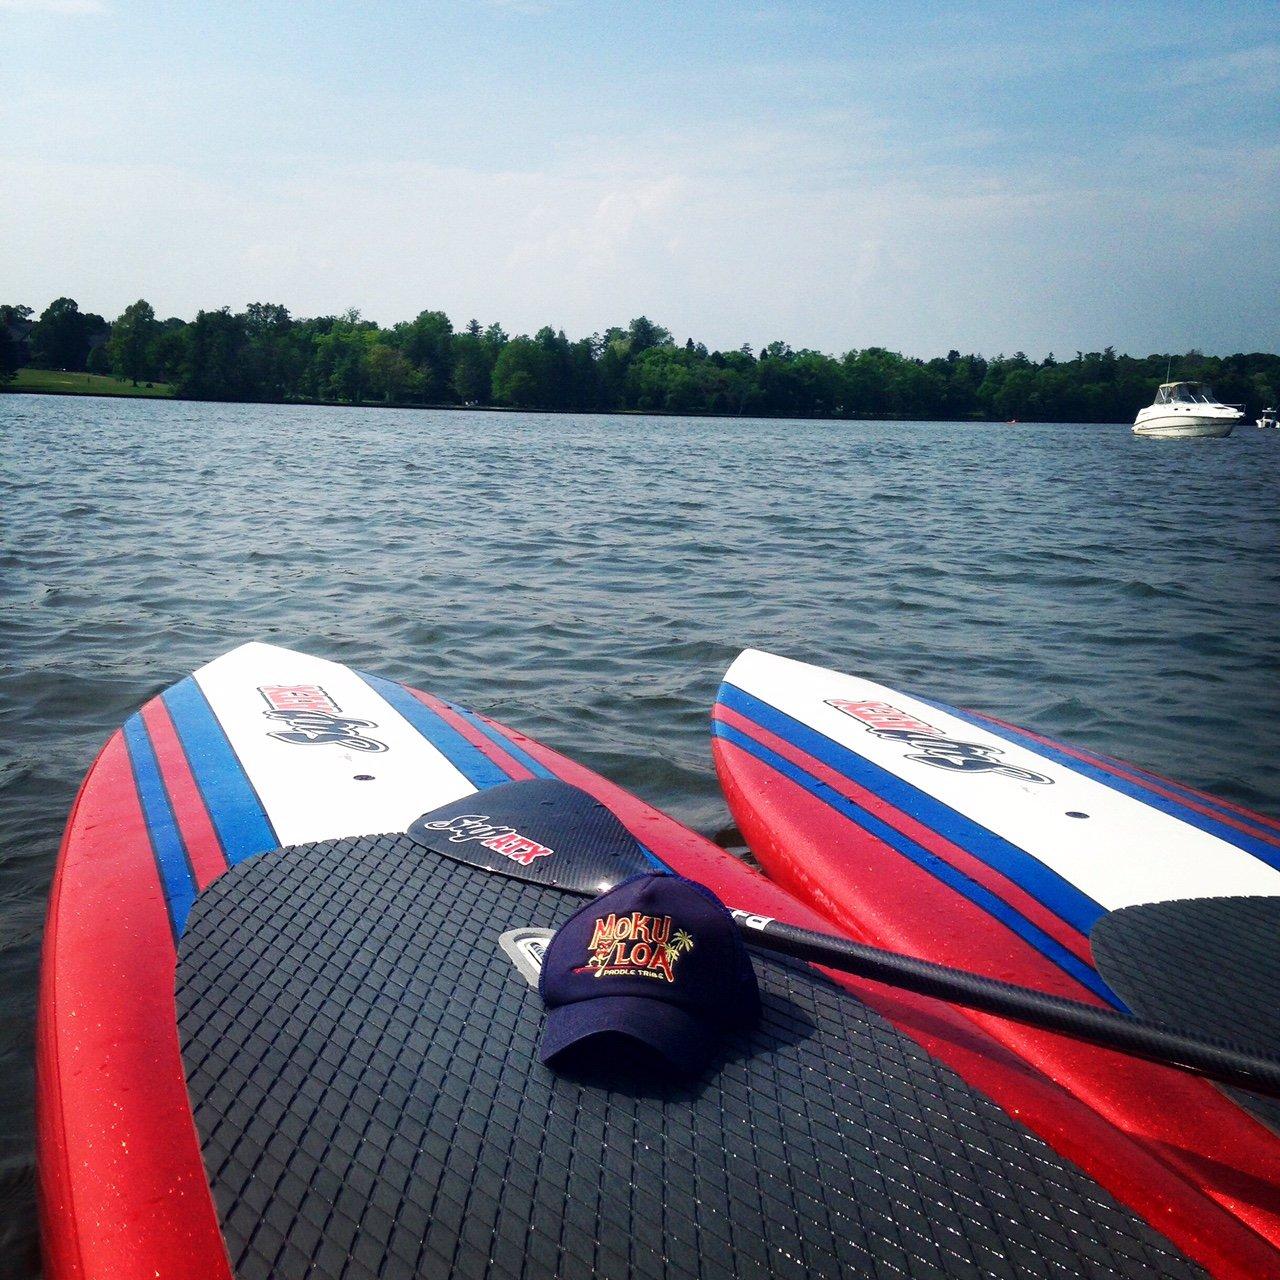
(657, 960)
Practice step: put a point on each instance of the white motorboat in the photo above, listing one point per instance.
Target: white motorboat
(1186, 409)
(1269, 418)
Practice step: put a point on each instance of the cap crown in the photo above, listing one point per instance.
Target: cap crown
(659, 937)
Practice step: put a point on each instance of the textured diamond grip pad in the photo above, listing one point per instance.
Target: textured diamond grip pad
(1210, 965)
(361, 1062)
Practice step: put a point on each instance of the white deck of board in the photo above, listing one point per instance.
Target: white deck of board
(1125, 852)
(312, 791)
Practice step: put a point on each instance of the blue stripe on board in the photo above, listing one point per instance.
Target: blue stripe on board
(654, 861)
(467, 758)
(979, 895)
(535, 767)
(176, 876)
(237, 813)
(1044, 884)
(1263, 850)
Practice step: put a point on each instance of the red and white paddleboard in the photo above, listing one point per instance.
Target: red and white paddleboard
(266, 748)
(966, 841)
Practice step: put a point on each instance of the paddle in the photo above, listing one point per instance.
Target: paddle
(547, 832)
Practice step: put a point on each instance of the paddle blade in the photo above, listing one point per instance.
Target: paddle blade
(543, 831)
(1209, 965)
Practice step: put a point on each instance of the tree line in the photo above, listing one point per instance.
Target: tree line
(265, 354)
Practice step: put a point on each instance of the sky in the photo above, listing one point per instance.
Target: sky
(990, 177)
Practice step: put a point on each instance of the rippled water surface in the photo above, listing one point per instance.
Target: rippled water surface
(588, 579)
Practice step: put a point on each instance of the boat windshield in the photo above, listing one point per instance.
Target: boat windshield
(1186, 393)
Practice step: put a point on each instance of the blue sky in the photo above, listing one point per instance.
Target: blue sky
(989, 177)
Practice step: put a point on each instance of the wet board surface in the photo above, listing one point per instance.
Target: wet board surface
(951, 836)
(361, 1058)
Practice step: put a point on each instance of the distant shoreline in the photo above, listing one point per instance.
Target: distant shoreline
(154, 394)
(265, 355)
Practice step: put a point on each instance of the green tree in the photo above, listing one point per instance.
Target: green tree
(60, 339)
(274, 348)
(645, 334)
(169, 351)
(15, 324)
(516, 374)
(473, 361)
(341, 360)
(133, 335)
(10, 359)
(427, 343)
(390, 375)
(216, 364)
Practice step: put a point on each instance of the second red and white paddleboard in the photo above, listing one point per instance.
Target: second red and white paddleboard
(966, 841)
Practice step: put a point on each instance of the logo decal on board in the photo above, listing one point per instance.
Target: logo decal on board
(636, 946)
(932, 746)
(313, 718)
(504, 840)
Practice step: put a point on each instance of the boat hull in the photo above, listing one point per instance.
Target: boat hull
(1184, 428)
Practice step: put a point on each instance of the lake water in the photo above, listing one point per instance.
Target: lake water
(588, 579)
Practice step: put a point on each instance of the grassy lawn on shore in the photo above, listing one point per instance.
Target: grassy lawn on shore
(94, 384)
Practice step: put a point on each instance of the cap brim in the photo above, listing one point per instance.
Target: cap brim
(683, 1040)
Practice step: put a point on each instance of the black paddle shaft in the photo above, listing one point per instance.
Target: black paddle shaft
(546, 832)
(1214, 1059)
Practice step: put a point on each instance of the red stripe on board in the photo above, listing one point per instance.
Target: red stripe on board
(1200, 1139)
(1043, 917)
(1166, 787)
(204, 849)
(1125, 1167)
(122, 1187)
(505, 761)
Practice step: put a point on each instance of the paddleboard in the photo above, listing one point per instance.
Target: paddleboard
(960, 839)
(278, 1036)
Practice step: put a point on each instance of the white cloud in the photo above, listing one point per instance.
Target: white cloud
(1254, 70)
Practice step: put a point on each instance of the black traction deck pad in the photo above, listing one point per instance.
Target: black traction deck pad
(361, 1058)
(1210, 965)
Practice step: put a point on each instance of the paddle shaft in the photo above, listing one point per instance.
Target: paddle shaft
(1212, 1059)
(594, 852)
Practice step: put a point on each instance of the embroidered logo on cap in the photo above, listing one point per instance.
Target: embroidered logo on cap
(636, 946)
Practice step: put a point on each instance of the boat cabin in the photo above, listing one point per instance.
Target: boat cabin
(1186, 393)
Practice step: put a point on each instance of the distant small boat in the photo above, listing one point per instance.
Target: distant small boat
(1186, 409)
(1269, 418)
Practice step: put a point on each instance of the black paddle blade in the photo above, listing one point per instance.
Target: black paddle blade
(543, 831)
(1209, 965)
